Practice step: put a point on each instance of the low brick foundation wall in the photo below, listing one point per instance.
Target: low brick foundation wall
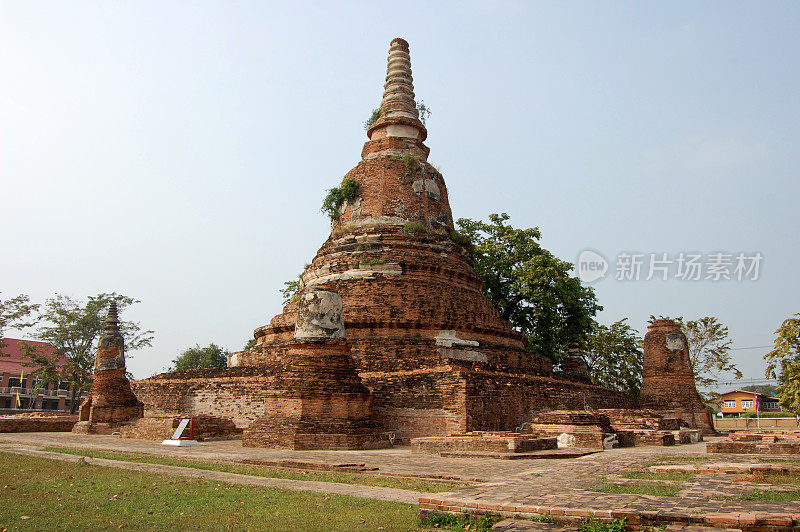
(162, 428)
(483, 442)
(765, 442)
(743, 447)
(656, 438)
(37, 423)
(639, 419)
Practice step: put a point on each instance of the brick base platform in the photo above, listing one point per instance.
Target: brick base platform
(636, 519)
(482, 444)
(37, 423)
(762, 442)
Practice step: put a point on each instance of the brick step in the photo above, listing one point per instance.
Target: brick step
(522, 525)
(555, 453)
(696, 518)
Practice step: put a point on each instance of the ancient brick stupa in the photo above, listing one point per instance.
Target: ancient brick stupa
(110, 403)
(668, 384)
(427, 342)
(431, 349)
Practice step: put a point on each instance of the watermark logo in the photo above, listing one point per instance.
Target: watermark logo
(683, 266)
(591, 266)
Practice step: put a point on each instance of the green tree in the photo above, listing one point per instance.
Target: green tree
(72, 327)
(16, 313)
(211, 356)
(614, 356)
(251, 343)
(784, 362)
(290, 289)
(709, 355)
(529, 286)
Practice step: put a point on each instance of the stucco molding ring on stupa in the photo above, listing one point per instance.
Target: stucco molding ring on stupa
(384, 122)
(364, 271)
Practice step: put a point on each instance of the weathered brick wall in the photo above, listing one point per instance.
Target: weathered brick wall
(497, 401)
(238, 394)
(418, 403)
(37, 423)
(438, 401)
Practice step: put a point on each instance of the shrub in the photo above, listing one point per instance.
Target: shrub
(349, 189)
(424, 112)
(594, 525)
(376, 114)
(413, 228)
(337, 196)
(411, 162)
(766, 414)
(373, 262)
(461, 239)
(464, 521)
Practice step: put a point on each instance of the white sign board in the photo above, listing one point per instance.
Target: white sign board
(181, 427)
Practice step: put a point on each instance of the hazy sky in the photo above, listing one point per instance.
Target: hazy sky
(178, 152)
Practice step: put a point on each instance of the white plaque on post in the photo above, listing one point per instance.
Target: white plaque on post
(176, 436)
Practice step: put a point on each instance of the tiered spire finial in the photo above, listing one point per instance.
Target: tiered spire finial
(398, 106)
(112, 320)
(398, 94)
(112, 335)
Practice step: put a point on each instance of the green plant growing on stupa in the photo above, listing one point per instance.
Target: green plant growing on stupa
(337, 196)
(424, 112)
(411, 162)
(413, 228)
(376, 114)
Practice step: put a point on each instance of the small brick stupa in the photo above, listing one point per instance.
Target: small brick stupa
(111, 402)
(318, 401)
(668, 384)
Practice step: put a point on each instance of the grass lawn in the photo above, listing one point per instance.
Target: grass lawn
(39, 494)
(343, 477)
(649, 475)
(660, 490)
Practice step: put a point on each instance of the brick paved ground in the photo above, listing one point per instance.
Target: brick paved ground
(527, 488)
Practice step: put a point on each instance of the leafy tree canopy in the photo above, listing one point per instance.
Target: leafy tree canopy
(251, 343)
(614, 356)
(529, 286)
(784, 361)
(211, 356)
(16, 313)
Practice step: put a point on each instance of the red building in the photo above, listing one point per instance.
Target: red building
(18, 379)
